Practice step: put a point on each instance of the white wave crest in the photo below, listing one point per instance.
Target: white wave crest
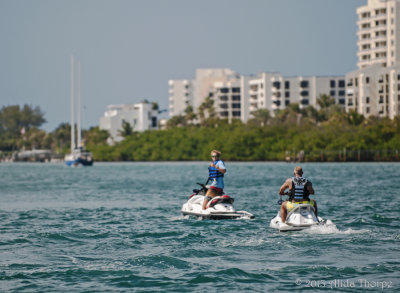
(330, 228)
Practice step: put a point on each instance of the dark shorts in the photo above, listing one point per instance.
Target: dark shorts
(217, 189)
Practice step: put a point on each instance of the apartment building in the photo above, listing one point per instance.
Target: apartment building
(140, 116)
(374, 91)
(237, 97)
(184, 89)
(227, 99)
(378, 33)
(273, 91)
(208, 82)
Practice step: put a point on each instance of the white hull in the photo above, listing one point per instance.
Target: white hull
(300, 218)
(221, 210)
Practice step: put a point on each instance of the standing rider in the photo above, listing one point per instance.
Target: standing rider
(216, 172)
(300, 189)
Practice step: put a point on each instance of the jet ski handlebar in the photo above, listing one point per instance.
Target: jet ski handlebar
(280, 201)
(201, 184)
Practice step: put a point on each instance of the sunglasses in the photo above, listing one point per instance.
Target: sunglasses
(214, 156)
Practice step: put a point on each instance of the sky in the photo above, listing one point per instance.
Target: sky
(128, 50)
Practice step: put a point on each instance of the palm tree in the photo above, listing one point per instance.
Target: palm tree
(190, 115)
(126, 130)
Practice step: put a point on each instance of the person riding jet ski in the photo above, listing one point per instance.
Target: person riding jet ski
(300, 189)
(216, 172)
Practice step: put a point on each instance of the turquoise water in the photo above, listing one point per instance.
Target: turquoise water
(117, 227)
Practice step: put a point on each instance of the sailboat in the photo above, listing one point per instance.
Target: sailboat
(78, 155)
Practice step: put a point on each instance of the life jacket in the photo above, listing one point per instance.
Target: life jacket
(299, 189)
(213, 172)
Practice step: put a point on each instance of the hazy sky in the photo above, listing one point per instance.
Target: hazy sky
(130, 49)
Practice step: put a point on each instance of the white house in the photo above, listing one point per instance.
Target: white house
(140, 116)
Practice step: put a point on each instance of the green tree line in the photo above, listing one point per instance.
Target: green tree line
(324, 134)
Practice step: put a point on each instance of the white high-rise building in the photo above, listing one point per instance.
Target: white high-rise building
(141, 117)
(378, 33)
(374, 89)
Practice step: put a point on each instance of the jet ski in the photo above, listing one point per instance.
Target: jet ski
(299, 218)
(220, 207)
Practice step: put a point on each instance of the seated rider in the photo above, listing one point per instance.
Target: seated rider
(300, 188)
(216, 172)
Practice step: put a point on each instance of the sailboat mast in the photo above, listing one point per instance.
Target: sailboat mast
(79, 106)
(72, 106)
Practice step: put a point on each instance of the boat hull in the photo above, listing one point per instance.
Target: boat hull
(220, 211)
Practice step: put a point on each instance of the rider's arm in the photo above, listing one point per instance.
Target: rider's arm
(222, 170)
(310, 188)
(285, 186)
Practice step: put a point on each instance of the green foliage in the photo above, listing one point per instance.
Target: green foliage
(17, 125)
(323, 134)
(126, 130)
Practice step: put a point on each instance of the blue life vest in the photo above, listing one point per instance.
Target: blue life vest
(299, 189)
(213, 172)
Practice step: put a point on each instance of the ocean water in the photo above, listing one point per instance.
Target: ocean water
(117, 227)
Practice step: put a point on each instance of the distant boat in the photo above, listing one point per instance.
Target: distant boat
(78, 155)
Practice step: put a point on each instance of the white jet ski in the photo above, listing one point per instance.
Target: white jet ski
(300, 218)
(220, 207)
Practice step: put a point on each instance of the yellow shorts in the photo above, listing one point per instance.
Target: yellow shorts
(291, 205)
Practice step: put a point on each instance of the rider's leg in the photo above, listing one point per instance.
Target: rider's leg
(210, 194)
(316, 208)
(283, 211)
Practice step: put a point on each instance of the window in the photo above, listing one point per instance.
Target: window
(332, 93)
(223, 98)
(367, 110)
(380, 99)
(276, 85)
(236, 98)
(153, 121)
(304, 102)
(367, 100)
(224, 90)
(350, 83)
(304, 93)
(367, 79)
(236, 113)
(287, 94)
(341, 83)
(224, 113)
(304, 83)
(287, 85)
(236, 90)
(342, 93)
(342, 101)
(236, 106)
(278, 103)
(333, 83)
(287, 102)
(224, 106)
